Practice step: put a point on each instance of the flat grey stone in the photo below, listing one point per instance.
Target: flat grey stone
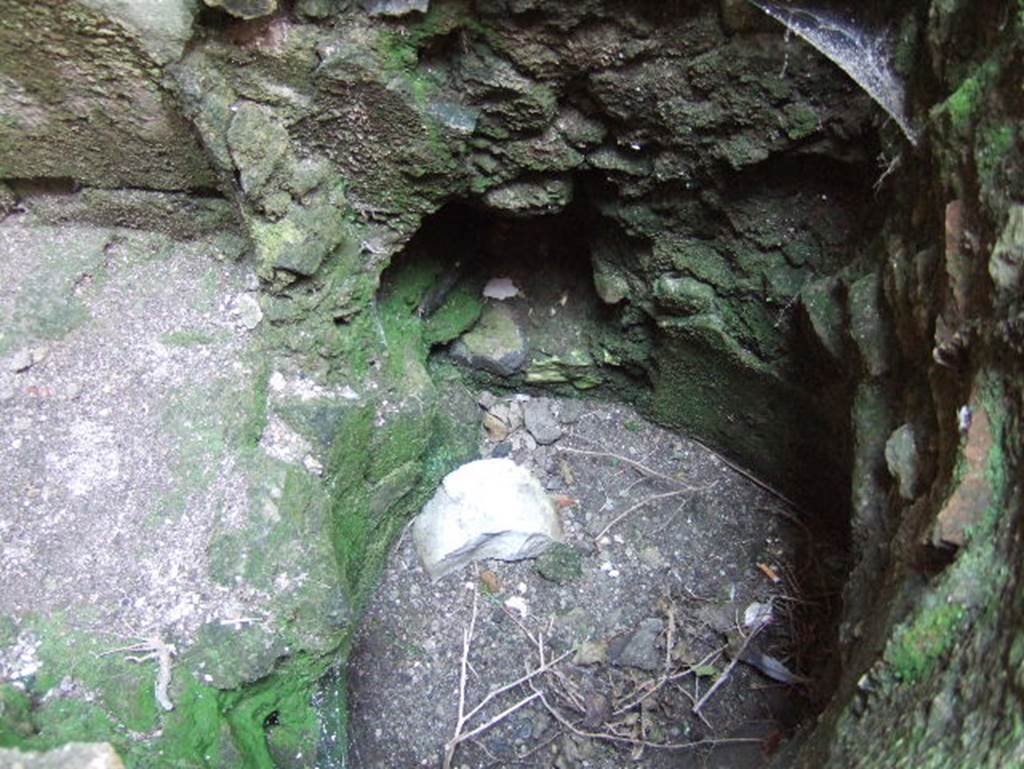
(591, 653)
(247, 309)
(21, 361)
(495, 344)
(540, 421)
(570, 411)
(639, 649)
(546, 196)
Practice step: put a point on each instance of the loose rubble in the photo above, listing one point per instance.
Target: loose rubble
(644, 609)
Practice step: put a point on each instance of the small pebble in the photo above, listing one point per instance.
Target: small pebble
(21, 361)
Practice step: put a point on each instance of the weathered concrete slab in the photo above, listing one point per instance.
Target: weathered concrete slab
(145, 453)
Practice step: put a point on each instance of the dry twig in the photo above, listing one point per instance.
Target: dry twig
(667, 678)
(637, 506)
(152, 648)
(728, 669)
(609, 737)
(625, 460)
(459, 736)
(645, 471)
(765, 486)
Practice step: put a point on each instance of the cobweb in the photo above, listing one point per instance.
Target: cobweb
(861, 53)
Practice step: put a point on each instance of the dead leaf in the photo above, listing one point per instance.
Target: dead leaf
(568, 476)
(497, 429)
(771, 667)
(491, 581)
(500, 288)
(706, 671)
(518, 603)
(591, 653)
(563, 501)
(771, 742)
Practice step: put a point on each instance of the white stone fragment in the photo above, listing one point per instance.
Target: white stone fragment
(281, 442)
(518, 603)
(491, 508)
(500, 289)
(757, 614)
(246, 309)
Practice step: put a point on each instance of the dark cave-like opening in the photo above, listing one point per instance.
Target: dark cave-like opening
(534, 273)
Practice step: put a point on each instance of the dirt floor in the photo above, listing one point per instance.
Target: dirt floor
(676, 590)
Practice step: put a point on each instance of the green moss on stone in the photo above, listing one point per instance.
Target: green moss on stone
(8, 630)
(15, 716)
(962, 102)
(61, 721)
(47, 304)
(914, 648)
(560, 564)
(697, 258)
(300, 242)
(685, 296)
(800, 121)
(961, 106)
(575, 367)
(59, 53)
(461, 309)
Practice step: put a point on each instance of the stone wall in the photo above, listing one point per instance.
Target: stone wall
(818, 316)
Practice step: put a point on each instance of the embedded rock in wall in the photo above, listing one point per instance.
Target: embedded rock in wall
(395, 7)
(80, 88)
(495, 344)
(245, 9)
